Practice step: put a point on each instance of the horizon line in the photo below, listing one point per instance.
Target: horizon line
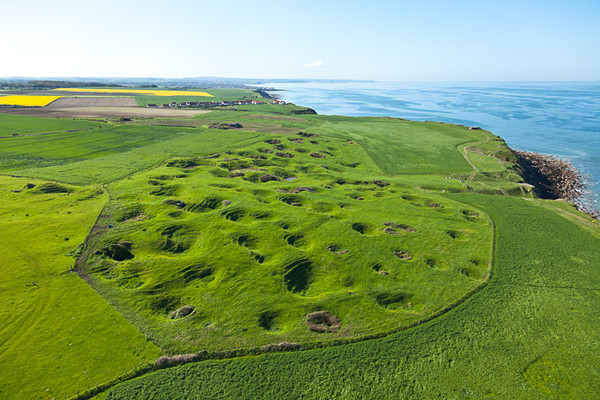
(296, 79)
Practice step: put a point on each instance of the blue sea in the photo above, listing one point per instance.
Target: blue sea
(559, 118)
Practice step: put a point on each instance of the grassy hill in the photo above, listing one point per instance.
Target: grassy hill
(254, 258)
(289, 231)
(532, 333)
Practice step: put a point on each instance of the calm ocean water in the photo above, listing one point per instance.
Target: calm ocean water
(560, 118)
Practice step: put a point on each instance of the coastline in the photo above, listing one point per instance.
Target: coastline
(557, 118)
(555, 178)
(548, 168)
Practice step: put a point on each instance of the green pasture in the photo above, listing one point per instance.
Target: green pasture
(191, 247)
(268, 252)
(105, 155)
(399, 147)
(11, 125)
(57, 336)
(255, 115)
(532, 333)
(116, 151)
(34, 152)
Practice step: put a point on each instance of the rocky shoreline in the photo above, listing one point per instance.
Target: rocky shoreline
(554, 178)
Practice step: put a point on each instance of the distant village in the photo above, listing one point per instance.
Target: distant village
(206, 104)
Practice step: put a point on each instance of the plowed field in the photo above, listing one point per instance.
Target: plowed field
(94, 102)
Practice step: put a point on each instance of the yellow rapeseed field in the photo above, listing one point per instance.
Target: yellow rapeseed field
(148, 92)
(30, 101)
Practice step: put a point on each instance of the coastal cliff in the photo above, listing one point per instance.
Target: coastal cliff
(554, 178)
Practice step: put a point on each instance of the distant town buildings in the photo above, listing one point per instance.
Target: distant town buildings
(210, 103)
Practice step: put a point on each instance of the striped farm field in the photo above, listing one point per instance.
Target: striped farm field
(29, 101)
(137, 91)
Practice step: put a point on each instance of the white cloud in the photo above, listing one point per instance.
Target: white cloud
(316, 64)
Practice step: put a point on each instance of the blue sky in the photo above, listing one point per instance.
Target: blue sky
(379, 40)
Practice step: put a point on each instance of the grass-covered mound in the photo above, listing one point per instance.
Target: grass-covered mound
(255, 240)
(531, 333)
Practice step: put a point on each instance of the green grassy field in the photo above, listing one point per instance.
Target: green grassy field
(105, 155)
(57, 336)
(219, 242)
(34, 152)
(20, 125)
(403, 148)
(275, 249)
(531, 333)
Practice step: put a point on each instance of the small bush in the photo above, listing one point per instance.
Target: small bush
(169, 361)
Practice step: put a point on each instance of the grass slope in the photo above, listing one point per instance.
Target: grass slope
(401, 147)
(254, 267)
(70, 147)
(106, 155)
(19, 125)
(533, 332)
(57, 336)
